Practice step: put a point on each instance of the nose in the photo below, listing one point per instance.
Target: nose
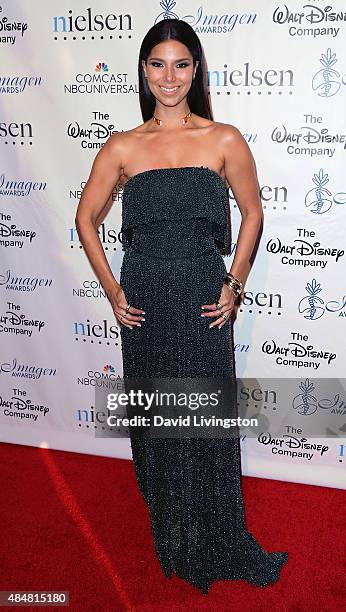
(169, 74)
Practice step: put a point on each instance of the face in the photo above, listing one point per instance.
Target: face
(170, 71)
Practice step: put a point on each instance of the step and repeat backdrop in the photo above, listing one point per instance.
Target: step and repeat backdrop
(68, 80)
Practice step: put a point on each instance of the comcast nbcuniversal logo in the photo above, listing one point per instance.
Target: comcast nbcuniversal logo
(100, 79)
(101, 67)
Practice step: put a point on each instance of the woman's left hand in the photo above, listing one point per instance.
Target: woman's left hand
(227, 299)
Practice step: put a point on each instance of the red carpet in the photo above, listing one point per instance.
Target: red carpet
(78, 523)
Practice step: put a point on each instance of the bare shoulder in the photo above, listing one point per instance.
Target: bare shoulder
(233, 144)
(230, 134)
(117, 142)
(227, 134)
(116, 148)
(122, 143)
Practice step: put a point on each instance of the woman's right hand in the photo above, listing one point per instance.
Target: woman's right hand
(128, 317)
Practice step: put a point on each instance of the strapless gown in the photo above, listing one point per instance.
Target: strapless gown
(175, 232)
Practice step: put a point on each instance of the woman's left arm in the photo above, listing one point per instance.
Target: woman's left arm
(241, 174)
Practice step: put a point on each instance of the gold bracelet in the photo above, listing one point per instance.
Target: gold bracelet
(234, 283)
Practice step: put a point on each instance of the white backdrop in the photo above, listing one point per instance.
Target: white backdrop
(68, 80)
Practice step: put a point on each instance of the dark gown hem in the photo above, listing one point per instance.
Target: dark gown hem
(204, 587)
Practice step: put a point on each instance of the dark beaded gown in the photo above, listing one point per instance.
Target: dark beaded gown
(175, 231)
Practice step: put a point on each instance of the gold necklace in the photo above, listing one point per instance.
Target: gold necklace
(184, 119)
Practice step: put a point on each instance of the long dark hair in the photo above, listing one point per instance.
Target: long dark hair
(176, 29)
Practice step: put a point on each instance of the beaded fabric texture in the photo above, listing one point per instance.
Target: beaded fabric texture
(175, 231)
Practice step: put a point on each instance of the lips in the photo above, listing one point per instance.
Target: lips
(169, 89)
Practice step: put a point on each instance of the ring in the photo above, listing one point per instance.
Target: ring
(121, 318)
(128, 308)
(224, 316)
(218, 306)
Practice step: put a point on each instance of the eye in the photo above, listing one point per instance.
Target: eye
(155, 64)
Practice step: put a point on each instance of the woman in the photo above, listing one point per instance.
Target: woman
(175, 298)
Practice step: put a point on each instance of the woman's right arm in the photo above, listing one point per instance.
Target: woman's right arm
(105, 173)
